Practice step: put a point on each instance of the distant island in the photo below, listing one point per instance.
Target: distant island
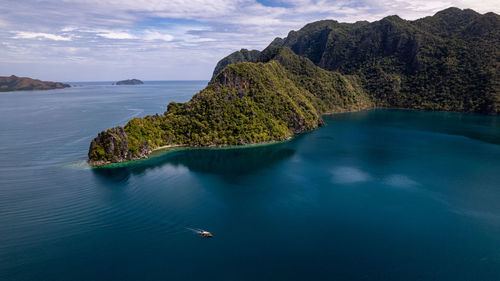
(14, 83)
(445, 62)
(130, 82)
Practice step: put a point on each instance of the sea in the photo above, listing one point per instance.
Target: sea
(372, 195)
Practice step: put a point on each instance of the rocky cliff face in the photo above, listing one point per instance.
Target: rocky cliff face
(231, 79)
(446, 62)
(242, 55)
(14, 83)
(111, 146)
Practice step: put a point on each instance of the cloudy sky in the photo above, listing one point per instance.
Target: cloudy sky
(107, 40)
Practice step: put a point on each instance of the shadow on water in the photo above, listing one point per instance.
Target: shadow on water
(229, 163)
(474, 126)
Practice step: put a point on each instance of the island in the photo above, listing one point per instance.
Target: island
(130, 82)
(445, 62)
(14, 83)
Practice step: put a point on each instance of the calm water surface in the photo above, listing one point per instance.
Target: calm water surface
(375, 195)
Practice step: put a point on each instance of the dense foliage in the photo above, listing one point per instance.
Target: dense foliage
(449, 61)
(245, 103)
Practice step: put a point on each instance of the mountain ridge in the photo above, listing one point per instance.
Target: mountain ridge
(325, 67)
(448, 61)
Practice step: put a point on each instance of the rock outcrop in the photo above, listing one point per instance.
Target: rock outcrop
(242, 55)
(111, 146)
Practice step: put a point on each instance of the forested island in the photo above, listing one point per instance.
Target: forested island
(14, 83)
(447, 62)
(130, 82)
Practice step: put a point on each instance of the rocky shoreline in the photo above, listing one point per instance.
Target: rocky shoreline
(117, 146)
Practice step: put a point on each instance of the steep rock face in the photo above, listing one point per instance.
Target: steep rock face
(231, 79)
(14, 83)
(446, 62)
(242, 55)
(111, 146)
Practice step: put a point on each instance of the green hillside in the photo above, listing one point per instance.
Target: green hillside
(450, 62)
(245, 103)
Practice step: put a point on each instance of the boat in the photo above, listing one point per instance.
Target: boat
(205, 234)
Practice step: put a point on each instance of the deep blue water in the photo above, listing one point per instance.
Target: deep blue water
(374, 195)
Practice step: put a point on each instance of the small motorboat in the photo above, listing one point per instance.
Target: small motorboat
(205, 234)
(201, 232)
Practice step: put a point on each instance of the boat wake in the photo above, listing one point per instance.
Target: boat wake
(201, 232)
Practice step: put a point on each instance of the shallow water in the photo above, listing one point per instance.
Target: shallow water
(374, 195)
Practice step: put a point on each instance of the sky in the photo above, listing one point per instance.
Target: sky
(109, 40)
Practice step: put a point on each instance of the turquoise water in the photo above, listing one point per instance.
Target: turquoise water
(374, 195)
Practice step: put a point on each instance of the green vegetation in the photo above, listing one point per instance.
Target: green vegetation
(245, 103)
(449, 61)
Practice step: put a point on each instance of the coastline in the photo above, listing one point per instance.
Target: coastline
(161, 150)
(108, 163)
(164, 149)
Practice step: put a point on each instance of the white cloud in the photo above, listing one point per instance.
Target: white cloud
(199, 39)
(482, 6)
(152, 32)
(116, 35)
(155, 35)
(171, 8)
(68, 29)
(33, 35)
